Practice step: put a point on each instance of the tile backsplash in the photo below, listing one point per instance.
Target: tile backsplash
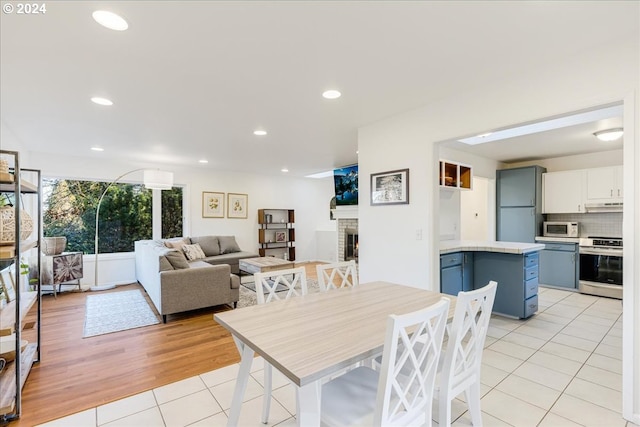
(608, 224)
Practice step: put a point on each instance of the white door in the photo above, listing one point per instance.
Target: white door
(477, 210)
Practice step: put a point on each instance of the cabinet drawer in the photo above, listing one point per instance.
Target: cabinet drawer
(531, 272)
(530, 306)
(564, 247)
(450, 259)
(530, 288)
(531, 259)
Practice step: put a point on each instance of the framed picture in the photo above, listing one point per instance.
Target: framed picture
(237, 205)
(212, 205)
(7, 285)
(390, 188)
(281, 236)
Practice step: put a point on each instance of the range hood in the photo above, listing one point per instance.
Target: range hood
(603, 207)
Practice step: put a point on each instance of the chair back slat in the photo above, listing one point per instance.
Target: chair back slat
(269, 285)
(336, 275)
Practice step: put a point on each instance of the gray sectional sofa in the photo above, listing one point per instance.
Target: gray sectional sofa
(188, 273)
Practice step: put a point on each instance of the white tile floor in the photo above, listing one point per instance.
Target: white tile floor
(560, 368)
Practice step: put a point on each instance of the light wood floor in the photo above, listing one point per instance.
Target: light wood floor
(76, 374)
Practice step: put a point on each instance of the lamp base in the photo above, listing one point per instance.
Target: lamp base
(102, 288)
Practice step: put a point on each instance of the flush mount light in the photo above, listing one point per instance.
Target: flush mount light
(97, 148)
(284, 170)
(609, 134)
(101, 101)
(204, 161)
(110, 20)
(260, 132)
(331, 94)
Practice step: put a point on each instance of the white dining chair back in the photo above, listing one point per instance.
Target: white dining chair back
(463, 355)
(280, 284)
(401, 392)
(342, 274)
(273, 286)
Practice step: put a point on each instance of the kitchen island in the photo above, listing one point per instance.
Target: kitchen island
(468, 264)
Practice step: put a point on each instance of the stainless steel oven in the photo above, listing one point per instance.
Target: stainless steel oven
(601, 266)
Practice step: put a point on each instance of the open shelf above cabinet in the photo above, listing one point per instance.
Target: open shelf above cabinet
(455, 175)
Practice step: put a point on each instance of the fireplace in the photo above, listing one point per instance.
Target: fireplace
(350, 244)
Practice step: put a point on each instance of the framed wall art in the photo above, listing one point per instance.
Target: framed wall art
(390, 188)
(237, 205)
(212, 204)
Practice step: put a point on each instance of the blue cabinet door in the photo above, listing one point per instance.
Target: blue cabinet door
(517, 224)
(558, 268)
(451, 280)
(516, 187)
(467, 271)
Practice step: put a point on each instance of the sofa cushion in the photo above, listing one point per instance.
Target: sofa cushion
(177, 243)
(209, 244)
(228, 244)
(177, 259)
(193, 252)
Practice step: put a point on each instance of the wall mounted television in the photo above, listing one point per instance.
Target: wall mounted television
(346, 185)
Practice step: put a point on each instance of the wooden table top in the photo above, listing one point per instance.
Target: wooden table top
(264, 264)
(312, 336)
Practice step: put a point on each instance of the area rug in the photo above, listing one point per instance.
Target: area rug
(117, 311)
(248, 296)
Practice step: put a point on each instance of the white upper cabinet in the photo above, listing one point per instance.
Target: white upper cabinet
(604, 184)
(563, 192)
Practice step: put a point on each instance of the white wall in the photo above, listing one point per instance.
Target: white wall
(309, 197)
(598, 77)
(580, 161)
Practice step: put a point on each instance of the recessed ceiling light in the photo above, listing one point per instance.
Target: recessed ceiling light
(609, 134)
(284, 170)
(101, 101)
(484, 135)
(260, 132)
(203, 161)
(97, 148)
(331, 94)
(110, 20)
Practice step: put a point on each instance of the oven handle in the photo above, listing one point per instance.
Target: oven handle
(604, 252)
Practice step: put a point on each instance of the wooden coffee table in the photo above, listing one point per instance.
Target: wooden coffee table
(263, 264)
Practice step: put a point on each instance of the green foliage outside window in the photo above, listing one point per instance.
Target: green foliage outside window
(125, 214)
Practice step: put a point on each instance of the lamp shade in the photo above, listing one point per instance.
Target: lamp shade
(157, 179)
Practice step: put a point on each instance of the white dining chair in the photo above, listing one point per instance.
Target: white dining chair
(345, 271)
(364, 396)
(462, 358)
(273, 286)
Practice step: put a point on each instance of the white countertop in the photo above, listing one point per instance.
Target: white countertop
(449, 246)
(558, 239)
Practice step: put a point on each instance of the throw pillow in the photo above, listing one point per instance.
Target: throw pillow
(193, 251)
(209, 244)
(177, 260)
(228, 244)
(177, 243)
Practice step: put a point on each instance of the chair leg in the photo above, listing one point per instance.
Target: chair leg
(472, 395)
(444, 409)
(266, 397)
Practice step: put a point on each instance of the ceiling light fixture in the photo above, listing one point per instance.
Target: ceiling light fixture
(203, 161)
(609, 134)
(97, 148)
(110, 20)
(101, 101)
(260, 132)
(284, 170)
(331, 94)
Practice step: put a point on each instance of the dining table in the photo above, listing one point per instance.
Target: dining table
(318, 335)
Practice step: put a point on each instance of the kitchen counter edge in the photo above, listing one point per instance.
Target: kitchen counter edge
(451, 246)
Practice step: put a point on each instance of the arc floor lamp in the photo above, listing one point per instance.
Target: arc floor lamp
(153, 179)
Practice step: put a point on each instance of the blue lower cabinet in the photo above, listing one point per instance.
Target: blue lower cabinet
(456, 272)
(559, 265)
(517, 277)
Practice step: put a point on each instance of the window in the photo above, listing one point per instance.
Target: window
(125, 214)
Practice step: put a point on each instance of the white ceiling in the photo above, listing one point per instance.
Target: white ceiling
(194, 79)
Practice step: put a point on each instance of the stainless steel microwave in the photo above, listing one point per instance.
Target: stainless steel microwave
(560, 229)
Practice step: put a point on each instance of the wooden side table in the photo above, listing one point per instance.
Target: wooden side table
(62, 269)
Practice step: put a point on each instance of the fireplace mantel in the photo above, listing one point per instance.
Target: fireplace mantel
(345, 212)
